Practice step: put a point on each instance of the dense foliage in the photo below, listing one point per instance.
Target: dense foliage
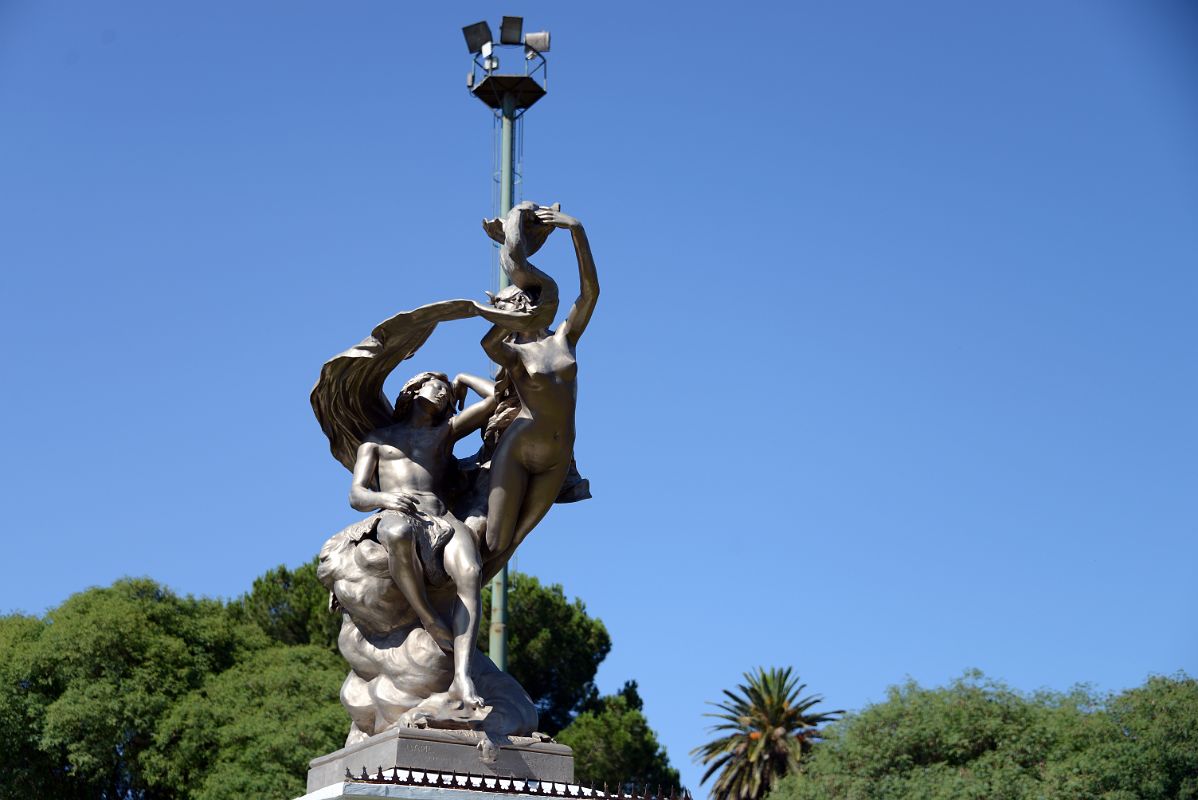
(767, 727)
(616, 746)
(251, 730)
(978, 739)
(554, 648)
(291, 607)
(86, 688)
(133, 693)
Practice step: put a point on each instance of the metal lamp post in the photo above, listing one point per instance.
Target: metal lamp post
(508, 94)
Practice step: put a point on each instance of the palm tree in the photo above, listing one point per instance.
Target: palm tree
(769, 729)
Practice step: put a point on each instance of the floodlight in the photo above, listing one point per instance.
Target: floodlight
(477, 35)
(538, 41)
(510, 30)
(507, 92)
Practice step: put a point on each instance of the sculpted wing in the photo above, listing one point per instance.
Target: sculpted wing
(348, 397)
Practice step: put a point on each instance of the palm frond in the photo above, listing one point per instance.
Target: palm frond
(769, 730)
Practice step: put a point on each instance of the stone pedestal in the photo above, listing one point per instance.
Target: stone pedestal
(441, 751)
(350, 791)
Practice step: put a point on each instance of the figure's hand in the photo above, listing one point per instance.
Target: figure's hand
(459, 392)
(396, 501)
(548, 215)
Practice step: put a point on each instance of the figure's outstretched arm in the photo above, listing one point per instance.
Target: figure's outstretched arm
(588, 278)
(474, 417)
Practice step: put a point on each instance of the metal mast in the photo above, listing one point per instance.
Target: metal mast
(508, 95)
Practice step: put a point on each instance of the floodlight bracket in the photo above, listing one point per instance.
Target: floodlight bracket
(523, 89)
(489, 85)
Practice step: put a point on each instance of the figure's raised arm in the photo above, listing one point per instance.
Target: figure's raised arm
(474, 417)
(520, 234)
(588, 278)
(496, 346)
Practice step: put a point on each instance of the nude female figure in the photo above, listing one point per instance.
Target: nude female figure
(534, 453)
(408, 462)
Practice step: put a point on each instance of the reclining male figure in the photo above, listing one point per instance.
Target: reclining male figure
(410, 462)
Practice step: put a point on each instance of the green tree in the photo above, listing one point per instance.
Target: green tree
(27, 770)
(770, 727)
(291, 607)
(977, 738)
(250, 731)
(616, 746)
(132, 692)
(554, 648)
(1141, 744)
(96, 678)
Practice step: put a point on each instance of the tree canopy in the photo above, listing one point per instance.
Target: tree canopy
(132, 692)
(90, 683)
(978, 738)
(251, 730)
(615, 746)
(554, 648)
(291, 607)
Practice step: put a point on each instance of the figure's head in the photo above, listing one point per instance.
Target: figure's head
(432, 391)
(521, 226)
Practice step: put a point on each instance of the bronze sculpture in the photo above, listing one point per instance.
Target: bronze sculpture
(408, 577)
(408, 462)
(534, 456)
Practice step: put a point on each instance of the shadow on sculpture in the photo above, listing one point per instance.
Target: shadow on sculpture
(408, 577)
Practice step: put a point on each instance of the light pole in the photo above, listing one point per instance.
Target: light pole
(508, 95)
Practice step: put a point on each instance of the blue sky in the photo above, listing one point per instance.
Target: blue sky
(893, 373)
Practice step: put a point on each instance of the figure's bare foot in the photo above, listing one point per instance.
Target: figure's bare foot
(441, 634)
(463, 689)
